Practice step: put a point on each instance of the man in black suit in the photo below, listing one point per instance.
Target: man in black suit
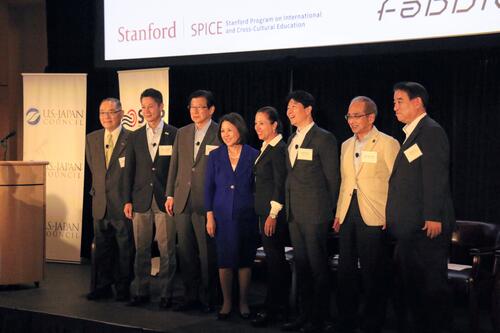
(105, 153)
(186, 181)
(420, 213)
(312, 186)
(147, 163)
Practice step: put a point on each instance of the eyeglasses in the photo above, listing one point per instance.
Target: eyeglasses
(108, 113)
(356, 116)
(196, 107)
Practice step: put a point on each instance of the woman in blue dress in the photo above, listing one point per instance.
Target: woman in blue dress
(229, 202)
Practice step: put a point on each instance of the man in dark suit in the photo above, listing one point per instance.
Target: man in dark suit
(185, 186)
(105, 153)
(147, 163)
(420, 213)
(312, 186)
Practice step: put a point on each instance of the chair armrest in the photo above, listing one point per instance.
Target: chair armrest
(478, 257)
(484, 250)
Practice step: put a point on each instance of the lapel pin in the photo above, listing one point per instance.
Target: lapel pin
(167, 133)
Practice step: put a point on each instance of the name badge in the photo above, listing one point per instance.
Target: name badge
(121, 160)
(165, 150)
(369, 156)
(305, 154)
(413, 153)
(209, 148)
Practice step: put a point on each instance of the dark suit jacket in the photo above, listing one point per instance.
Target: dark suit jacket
(186, 178)
(270, 175)
(312, 186)
(108, 193)
(143, 176)
(420, 190)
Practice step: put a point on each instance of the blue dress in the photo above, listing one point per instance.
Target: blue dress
(229, 194)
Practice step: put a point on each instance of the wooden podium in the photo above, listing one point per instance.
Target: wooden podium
(22, 222)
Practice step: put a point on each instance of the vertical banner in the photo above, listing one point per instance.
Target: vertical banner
(54, 131)
(132, 83)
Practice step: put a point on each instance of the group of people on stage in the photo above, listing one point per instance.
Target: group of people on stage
(206, 195)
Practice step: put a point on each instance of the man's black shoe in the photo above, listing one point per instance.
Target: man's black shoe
(207, 308)
(185, 306)
(311, 328)
(100, 293)
(262, 319)
(165, 303)
(138, 301)
(122, 297)
(293, 325)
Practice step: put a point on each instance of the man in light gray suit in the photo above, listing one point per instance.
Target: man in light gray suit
(185, 199)
(105, 153)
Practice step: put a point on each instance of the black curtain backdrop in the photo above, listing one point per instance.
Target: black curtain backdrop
(464, 88)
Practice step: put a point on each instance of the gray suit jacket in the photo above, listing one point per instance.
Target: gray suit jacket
(107, 185)
(312, 186)
(187, 177)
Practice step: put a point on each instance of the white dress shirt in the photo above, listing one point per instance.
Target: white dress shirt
(153, 136)
(409, 128)
(297, 140)
(199, 135)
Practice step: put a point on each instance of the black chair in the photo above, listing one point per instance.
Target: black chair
(471, 262)
(495, 295)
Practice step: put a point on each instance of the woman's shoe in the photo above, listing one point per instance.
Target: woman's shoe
(245, 315)
(223, 316)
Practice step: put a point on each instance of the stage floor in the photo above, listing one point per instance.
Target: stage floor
(62, 295)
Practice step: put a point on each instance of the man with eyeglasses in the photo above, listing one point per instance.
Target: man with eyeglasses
(105, 154)
(185, 200)
(366, 161)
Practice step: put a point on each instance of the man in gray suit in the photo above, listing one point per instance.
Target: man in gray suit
(185, 199)
(105, 153)
(311, 188)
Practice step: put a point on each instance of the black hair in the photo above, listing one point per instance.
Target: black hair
(209, 96)
(238, 121)
(154, 94)
(303, 97)
(273, 116)
(414, 90)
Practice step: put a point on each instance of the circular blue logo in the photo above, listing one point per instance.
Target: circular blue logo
(33, 116)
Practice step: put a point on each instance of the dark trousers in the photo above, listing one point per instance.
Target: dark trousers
(310, 258)
(366, 244)
(422, 300)
(278, 270)
(114, 253)
(197, 257)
